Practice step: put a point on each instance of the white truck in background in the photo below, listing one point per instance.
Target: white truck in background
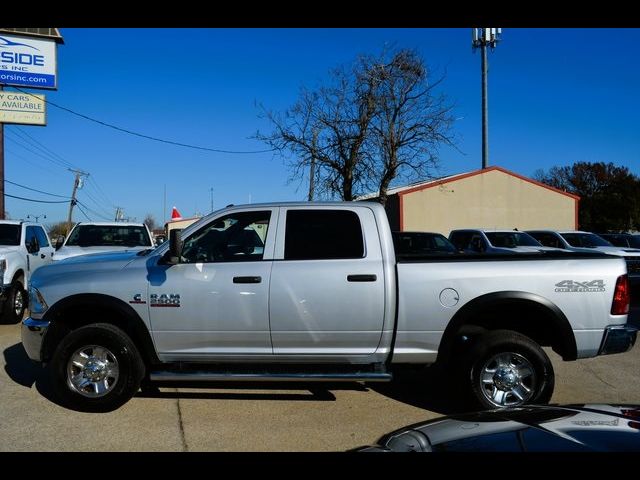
(24, 247)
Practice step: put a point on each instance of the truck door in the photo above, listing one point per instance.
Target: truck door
(327, 283)
(215, 302)
(42, 255)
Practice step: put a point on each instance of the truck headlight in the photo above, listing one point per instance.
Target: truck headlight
(37, 305)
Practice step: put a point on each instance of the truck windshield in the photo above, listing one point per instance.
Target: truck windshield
(108, 236)
(10, 234)
(407, 243)
(511, 239)
(586, 240)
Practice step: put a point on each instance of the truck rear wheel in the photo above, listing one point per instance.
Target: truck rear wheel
(507, 369)
(96, 368)
(15, 303)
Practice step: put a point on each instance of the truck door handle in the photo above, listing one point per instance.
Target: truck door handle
(247, 279)
(42, 255)
(361, 278)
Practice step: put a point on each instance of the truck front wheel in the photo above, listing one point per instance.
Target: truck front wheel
(507, 369)
(96, 368)
(15, 303)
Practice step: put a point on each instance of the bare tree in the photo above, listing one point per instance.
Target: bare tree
(411, 121)
(375, 120)
(150, 221)
(58, 229)
(330, 126)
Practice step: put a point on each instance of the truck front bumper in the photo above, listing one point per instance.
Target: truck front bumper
(618, 339)
(33, 332)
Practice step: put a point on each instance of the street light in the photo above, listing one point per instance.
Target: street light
(36, 216)
(481, 38)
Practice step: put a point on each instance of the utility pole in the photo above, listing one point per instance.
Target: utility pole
(1, 167)
(164, 206)
(483, 38)
(211, 190)
(76, 185)
(312, 169)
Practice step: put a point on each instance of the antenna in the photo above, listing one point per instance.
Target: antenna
(483, 38)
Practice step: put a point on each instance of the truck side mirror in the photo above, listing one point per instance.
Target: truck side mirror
(175, 245)
(59, 242)
(32, 246)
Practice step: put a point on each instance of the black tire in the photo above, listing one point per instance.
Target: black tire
(122, 355)
(511, 384)
(11, 312)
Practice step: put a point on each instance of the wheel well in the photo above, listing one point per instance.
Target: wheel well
(528, 314)
(72, 313)
(19, 274)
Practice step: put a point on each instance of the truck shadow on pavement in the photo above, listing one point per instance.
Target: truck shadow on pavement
(285, 391)
(27, 373)
(429, 389)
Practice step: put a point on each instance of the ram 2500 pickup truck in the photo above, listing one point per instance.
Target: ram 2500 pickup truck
(314, 291)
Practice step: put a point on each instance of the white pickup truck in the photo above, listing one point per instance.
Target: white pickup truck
(24, 246)
(315, 292)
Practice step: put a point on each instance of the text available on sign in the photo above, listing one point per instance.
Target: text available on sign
(22, 108)
(27, 62)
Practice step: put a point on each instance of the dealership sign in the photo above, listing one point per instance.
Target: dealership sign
(24, 108)
(27, 62)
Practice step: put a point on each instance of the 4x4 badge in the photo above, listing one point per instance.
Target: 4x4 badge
(574, 287)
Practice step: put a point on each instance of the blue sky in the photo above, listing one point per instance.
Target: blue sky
(556, 96)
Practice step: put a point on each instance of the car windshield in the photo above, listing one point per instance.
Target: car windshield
(109, 236)
(512, 239)
(585, 240)
(632, 241)
(10, 234)
(421, 243)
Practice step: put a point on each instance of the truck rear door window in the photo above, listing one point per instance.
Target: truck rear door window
(323, 235)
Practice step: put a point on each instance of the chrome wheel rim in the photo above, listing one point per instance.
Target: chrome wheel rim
(92, 371)
(507, 379)
(18, 302)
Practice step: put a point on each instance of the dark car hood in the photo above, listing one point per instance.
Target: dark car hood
(531, 428)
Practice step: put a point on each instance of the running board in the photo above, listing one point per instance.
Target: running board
(192, 376)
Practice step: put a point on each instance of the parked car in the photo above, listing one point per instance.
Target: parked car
(624, 240)
(102, 237)
(494, 241)
(532, 428)
(578, 241)
(24, 247)
(422, 243)
(315, 291)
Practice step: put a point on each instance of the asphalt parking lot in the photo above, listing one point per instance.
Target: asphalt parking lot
(257, 417)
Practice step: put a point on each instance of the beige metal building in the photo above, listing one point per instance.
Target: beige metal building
(489, 198)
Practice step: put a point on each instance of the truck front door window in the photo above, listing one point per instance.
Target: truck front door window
(238, 237)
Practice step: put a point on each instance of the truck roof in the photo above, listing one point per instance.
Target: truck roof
(112, 224)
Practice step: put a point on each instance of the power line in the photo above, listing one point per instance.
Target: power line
(93, 211)
(33, 151)
(99, 190)
(148, 137)
(33, 143)
(83, 212)
(37, 201)
(44, 147)
(35, 190)
(94, 201)
(31, 162)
